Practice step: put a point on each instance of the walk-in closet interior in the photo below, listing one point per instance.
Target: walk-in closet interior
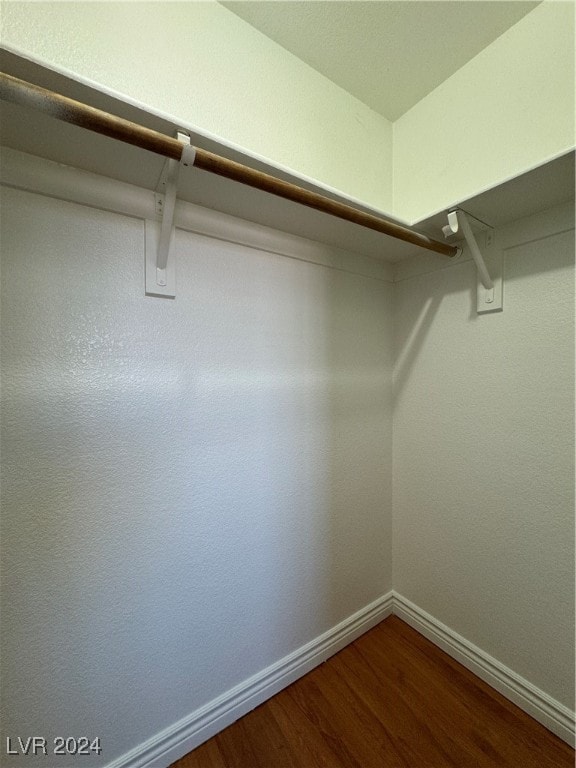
(287, 349)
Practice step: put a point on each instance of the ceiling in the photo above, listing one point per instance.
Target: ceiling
(387, 53)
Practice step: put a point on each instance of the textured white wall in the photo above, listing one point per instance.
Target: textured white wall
(209, 70)
(510, 109)
(192, 489)
(483, 491)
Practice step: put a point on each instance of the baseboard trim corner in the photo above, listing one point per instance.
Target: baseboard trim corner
(542, 707)
(177, 740)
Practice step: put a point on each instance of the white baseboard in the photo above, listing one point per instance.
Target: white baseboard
(555, 716)
(187, 734)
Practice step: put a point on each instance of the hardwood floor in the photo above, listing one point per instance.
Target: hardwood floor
(391, 699)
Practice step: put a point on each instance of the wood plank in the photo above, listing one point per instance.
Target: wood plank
(391, 699)
(207, 755)
(267, 743)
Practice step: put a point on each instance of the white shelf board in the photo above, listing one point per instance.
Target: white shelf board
(539, 189)
(36, 134)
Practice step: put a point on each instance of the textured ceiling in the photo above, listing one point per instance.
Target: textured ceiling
(389, 54)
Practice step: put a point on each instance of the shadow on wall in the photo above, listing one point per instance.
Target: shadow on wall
(410, 341)
(428, 290)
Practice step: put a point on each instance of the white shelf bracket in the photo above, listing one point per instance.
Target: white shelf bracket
(160, 258)
(489, 265)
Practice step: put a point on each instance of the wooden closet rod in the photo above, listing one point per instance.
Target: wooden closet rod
(61, 107)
